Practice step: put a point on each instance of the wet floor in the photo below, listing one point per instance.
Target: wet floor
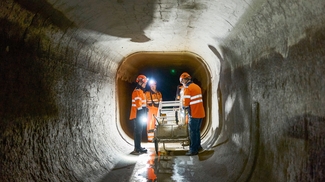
(170, 164)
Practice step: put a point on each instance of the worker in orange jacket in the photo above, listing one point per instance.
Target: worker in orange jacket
(138, 112)
(193, 103)
(153, 98)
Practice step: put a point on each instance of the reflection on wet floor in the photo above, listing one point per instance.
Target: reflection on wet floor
(169, 165)
(162, 167)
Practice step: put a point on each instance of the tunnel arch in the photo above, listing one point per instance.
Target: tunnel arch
(165, 67)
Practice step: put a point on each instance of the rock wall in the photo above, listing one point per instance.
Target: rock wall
(276, 60)
(57, 98)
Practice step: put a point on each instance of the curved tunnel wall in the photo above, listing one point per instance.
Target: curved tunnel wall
(272, 80)
(58, 89)
(57, 99)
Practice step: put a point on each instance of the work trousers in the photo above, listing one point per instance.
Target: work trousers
(151, 122)
(194, 127)
(138, 127)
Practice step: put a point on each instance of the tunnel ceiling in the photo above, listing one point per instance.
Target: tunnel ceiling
(127, 27)
(161, 61)
(154, 25)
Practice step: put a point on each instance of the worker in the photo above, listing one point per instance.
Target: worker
(193, 103)
(153, 97)
(179, 91)
(138, 112)
(181, 115)
(179, 97)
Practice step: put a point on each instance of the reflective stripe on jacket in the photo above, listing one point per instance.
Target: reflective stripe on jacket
(193, 99)
(153, 98)
(138, 101)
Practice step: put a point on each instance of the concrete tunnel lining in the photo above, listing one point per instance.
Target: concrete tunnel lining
(61, 58)
(149, 63)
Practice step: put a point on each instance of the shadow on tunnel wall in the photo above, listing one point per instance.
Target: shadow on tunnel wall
(236, 98)
(119, 18)
(288, 146)
(26, 88)
(310, 129)
(47, 110)
(216, 139)
(46, 10)
(238, 114)
(137, 15)
(307, 127)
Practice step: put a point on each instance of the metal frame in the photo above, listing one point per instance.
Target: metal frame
(170, 124)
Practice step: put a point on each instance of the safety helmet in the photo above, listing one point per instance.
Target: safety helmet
(184, 75)
(141, 78)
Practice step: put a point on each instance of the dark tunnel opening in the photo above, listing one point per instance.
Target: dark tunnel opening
(165, 68)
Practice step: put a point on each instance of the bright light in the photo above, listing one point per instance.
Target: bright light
(152, 81)
(143, 119)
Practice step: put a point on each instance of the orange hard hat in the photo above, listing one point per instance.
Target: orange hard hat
(184, 75)
(141, 78)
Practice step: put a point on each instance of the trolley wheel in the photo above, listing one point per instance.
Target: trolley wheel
(156, 146)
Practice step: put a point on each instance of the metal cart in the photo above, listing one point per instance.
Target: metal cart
(170, 124)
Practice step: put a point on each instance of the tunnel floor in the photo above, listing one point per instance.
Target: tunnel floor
(169, 165)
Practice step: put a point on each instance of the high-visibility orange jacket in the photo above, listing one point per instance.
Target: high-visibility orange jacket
(193, 99)
(153, 99)
(138, 101)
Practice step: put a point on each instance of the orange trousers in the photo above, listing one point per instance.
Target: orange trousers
(151, 121)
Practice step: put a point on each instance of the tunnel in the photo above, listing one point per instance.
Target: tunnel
(165, 68)
(68, 68)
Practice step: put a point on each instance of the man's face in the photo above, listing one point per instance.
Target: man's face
(143, 84)
(153, 86)
(183, 81)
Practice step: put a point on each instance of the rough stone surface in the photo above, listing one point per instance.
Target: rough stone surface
(283, 72)
(56, 102)
(58, 61)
